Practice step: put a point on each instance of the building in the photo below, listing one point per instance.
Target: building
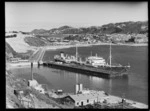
(15, 60)
(88, 98)
(85, 97)
(33, 83)
(23, 60)
(141, 40)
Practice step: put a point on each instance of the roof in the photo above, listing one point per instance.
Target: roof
(15, 58)
(96, 58)
(91, 95)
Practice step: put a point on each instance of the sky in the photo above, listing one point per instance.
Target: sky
(27, 16)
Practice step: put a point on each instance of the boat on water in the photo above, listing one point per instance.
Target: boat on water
(93, 65)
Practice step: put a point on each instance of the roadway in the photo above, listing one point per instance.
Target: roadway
(37, 55)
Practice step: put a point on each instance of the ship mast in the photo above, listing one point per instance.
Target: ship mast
(76, 53)
(110, 55)
(31, 70)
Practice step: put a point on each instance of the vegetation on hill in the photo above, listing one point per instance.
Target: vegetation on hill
(98, 33)
(122, 27)
(10, 52)
(15, 83)
(35, 41)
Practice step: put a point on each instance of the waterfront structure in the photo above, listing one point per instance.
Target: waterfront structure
(84, 97)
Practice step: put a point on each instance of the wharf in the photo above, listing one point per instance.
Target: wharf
(84, 69)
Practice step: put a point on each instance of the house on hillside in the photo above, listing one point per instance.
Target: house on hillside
(141, 38)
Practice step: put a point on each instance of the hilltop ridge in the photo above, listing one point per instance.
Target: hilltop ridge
(121, 27)
(22, 42)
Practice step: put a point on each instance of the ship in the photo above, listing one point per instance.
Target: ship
(93, 65)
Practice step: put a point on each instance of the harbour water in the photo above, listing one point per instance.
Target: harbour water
(134, 87)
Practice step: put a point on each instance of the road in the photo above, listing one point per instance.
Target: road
(37, 55)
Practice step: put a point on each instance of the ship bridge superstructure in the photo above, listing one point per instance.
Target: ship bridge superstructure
(96, 61)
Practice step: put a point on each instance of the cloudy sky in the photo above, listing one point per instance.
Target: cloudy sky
(26, 16)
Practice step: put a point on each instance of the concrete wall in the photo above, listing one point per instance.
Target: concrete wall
(91, 101)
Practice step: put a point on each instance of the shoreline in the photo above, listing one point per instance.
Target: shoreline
(88, 45)
(112, 97)
(19, 65)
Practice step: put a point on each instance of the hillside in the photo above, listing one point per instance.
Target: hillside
(22, 44)
(9, 49)
(37, 99)
(122, 28)
(18, 44)
(17, 47)
(35, 41)
(10, 52)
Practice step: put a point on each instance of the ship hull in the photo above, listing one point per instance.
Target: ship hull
(100, 72)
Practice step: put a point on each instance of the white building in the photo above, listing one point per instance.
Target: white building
(33, 83)
(88, 98)
(85, 97)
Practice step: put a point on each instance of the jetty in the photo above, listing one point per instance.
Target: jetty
(83, 69)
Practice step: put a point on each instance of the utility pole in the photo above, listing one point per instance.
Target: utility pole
(123, 100)
(31, 70)
(110, 54)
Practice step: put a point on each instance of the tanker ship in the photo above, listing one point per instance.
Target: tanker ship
(93, 65)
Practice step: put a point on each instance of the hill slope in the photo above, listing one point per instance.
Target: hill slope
(18, 43)
(122, 27)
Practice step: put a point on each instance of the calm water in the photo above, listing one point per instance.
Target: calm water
(134, 87)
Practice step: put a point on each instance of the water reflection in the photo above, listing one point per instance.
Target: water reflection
(110, 86)
(119, 86)
(97, 83)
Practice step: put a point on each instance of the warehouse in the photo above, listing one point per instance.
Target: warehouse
(85, 97)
